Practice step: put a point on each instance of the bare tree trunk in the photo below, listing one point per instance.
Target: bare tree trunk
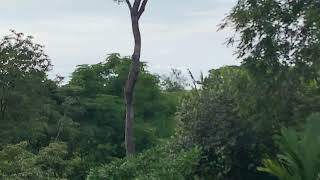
(2, 111)
(135, 11)
(3, 108)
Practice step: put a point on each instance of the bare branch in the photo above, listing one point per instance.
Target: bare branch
(142, 8)
(136, 5)
(129, 4)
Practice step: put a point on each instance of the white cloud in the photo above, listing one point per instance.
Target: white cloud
(191, 41)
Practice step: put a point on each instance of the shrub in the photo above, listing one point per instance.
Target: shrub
(156, 163)
(300, 153)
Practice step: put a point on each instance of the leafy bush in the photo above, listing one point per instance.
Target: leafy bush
(212, 119)
(52, 162)
(156, 163)
(300, 153)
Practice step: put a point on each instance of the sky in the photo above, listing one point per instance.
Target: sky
(175, 33)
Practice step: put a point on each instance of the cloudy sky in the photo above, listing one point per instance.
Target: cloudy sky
(176, 33)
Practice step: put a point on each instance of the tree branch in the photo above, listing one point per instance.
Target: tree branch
(136, 6)
(142, 8)
(129, 4)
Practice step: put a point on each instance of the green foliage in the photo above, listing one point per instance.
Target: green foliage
(87, 113)
(211, 118)
(56, 161)
(156, 163)
(23, 68)
(299, 156)
(174, 82)
(277, 42)
(17, 163)
(276, 34)
(94, 99)
(52, 162)
(231, 117)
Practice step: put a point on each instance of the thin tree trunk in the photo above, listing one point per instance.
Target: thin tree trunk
(135, 11)
(3, 108)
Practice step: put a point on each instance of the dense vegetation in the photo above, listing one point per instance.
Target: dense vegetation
(259, 120)
(81, 120)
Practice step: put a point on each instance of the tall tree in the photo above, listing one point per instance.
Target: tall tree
(275, 34)
(21, 61)
(136, 11)
(23, 79)
(278, 41)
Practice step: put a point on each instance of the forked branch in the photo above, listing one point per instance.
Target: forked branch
(138, 7)
(142, 8)
(129, 4)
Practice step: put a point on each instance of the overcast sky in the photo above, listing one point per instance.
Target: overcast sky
(176, 33)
